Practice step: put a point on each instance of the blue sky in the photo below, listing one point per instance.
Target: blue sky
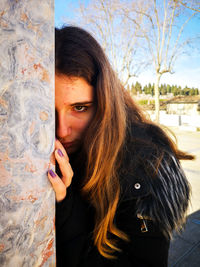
(187, 67)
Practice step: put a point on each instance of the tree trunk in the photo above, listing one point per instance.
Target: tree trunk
(157, 95)
(26, 133)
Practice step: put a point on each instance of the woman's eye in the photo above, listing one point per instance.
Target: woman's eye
(80, 108)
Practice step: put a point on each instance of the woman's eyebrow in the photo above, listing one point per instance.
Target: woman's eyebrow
(82, 103)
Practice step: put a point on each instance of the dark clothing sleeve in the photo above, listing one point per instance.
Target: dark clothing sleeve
(160, 201)
(64, 210)
(72, 228)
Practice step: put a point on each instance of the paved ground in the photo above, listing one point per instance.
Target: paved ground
(185, 248)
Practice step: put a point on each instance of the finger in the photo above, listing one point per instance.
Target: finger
(65, 167)
(57, 184)
(58, 145)
(52, 159)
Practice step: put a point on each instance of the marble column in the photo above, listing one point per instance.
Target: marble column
(26, 133)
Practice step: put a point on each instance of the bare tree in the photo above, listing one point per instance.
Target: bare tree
(117, 35)
(163, 34)
(191, 4)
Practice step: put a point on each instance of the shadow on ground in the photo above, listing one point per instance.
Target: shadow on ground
(185, 248)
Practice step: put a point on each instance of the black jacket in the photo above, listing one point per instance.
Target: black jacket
(150, 208)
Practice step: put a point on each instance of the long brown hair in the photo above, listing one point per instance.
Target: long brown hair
(78, 54)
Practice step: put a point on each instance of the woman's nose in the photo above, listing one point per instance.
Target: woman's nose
(63, 125)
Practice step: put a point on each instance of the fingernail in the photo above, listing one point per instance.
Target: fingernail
(60, 153)
(52, 173)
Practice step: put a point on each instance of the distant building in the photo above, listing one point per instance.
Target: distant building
(184, 106)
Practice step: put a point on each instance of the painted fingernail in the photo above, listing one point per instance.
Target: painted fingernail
(52, 173)
(60, 153)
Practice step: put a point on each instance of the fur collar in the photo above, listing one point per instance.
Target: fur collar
(161, 194)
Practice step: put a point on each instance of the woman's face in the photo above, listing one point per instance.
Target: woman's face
(74, 102)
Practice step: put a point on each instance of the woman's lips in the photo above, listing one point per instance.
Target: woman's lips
(68, 144)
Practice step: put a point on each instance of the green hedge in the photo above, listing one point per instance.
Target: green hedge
(145, 101)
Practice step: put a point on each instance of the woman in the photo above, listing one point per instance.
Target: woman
(119, 186)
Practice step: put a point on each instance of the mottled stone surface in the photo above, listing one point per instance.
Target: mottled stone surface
(26, 133)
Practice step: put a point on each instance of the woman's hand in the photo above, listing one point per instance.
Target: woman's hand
(60, 184)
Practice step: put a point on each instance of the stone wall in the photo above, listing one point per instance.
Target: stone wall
(26, 133)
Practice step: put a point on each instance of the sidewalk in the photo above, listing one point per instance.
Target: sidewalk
(185, 248)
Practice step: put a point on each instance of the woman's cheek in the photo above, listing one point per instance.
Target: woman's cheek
(84, 119)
